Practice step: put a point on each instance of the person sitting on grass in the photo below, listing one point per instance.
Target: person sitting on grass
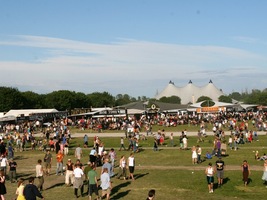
(208, 155)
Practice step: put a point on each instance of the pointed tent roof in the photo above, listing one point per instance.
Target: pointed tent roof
(169, 91)
(191, 92)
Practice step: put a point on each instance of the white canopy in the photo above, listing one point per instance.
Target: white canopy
(27, 112)
(217, 104)
(191, 92)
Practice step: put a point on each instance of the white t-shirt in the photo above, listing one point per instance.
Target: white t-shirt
(78, 172)
(4, 162)
(131, 161)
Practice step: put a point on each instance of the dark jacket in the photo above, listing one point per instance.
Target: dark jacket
(31, 192)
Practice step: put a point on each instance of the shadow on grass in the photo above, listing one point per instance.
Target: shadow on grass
(137, 176)
(55, 185)
(225, 181)
(24, 175)
(20, 157)
(119, 195)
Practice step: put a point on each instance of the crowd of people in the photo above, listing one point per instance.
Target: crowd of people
(56, 139)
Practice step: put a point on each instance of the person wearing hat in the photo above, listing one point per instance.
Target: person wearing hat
(69, 173)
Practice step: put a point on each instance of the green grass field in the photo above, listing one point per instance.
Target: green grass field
(169, 171)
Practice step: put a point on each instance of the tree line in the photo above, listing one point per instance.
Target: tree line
(62, 100)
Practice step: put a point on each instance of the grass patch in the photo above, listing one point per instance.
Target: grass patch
(169, 171)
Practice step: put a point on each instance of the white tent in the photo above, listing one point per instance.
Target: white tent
(216, 104)
(27, 112)
(191, 92)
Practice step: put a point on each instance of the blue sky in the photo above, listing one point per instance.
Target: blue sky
(132, 47)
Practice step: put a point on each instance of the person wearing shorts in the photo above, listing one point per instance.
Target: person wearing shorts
(92, 178)
(210, 177)
(220, 171)
(131, 166)
(47, 162)
(105, 184)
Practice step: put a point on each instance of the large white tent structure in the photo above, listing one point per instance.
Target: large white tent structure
(190, 93)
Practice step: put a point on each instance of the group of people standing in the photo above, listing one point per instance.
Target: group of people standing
(210, 171)
(219, 169)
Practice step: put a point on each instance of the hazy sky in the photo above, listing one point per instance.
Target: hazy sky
(132, 47)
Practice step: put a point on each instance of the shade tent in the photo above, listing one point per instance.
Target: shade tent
(28, 112)
(216, 104)
(135, 111)
(8, 118)
(248, 106)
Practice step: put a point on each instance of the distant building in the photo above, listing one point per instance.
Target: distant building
(190, 93)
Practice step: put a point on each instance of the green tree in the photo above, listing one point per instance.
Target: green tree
(61, 100)
(33, 100)
(236, 96)
(101, 99)
(172, 99)
(122, 99)
(256, 97)
(225, 99)
(207, 101)
(82, 101)
(10, 98)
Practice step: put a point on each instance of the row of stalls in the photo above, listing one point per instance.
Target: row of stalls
(136, 110)
(30, 115)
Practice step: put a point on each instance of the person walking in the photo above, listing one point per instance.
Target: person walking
(60, 157)
(4, 163)
(245, 171)
(220, 171)
(264, 176)
(93, 185)
(69, 173)
(112, 155)
(92, 156)
(2, 185)
(108, 166)
(194, 155)
(47, 162)
(199, 152)
(210, 177)
(131, 164)
(122, 144)
(39, 174)
(31, 192)
(86, 169)
(105, 184)
(78, 180)
(78, 152)
(85, 141)
(122, 168)
(20, 190)
(155, 146)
